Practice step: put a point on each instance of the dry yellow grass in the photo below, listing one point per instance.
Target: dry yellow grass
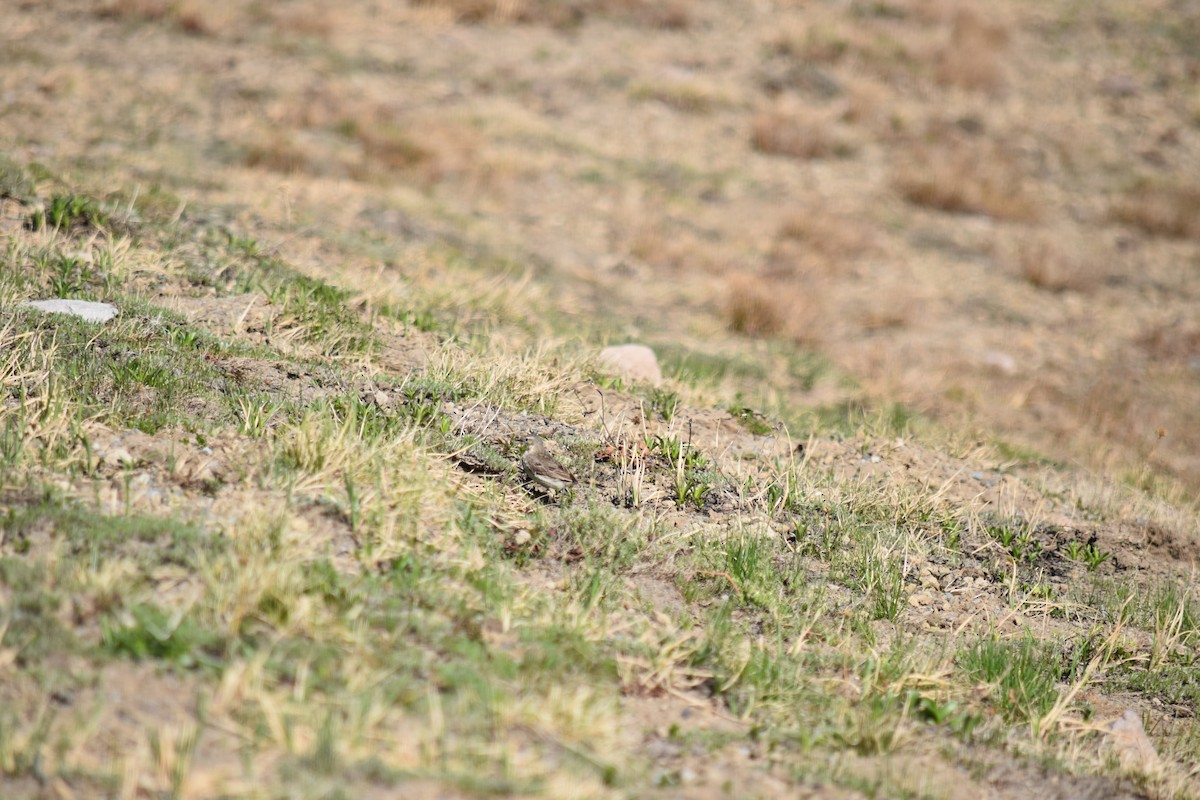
(1161, 209)
(777, 539)
(798, 133)
(1052, 264)
(973, 177)
(975, 56)
(752, 307)
(672, 14)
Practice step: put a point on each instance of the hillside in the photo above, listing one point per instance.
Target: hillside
(913, 513)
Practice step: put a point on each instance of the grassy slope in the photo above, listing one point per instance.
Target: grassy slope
(276, 525)
(263, 536)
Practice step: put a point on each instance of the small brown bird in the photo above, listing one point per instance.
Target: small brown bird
(541, 468)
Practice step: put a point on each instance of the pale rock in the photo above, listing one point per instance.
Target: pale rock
(117, 457)
(924, 598)
(1001, 362)
(84, 309)
(1127, 738)
(635, 362)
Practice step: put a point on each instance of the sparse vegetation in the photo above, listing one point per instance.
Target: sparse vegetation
(966, 178)
(974, 58)
(796, 134)
(751, 308)
(1161, 209)
(265, 532)
(1049, 265)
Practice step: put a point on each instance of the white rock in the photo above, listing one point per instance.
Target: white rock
(635, 362)
(84, 309)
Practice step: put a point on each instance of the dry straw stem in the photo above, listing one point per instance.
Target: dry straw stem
(974, 56)
(966, 177)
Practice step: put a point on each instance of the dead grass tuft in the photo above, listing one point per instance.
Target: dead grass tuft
(315, 20)
(793, 133)
(814, 44)
(1161, 209)
(1174, 341)
(817, 242)
(688, 96)
(1047, 263)
(966, 178)
(974, 57)
(889, 310)
(662, 245)
(432, 151)
(202, 19)
(669, 15)
(279, 151)
(752, 308)
(195, 18)
(137, 9)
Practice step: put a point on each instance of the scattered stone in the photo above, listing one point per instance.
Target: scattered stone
(1001, 362)
(635, 362)
(84, 309)
(208, 469)
(1127, 738)
(117, 457)
(521, 537)
(923, 598)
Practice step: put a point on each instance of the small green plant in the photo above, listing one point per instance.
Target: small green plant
(883, 582)
(693, 479)
(1093, 556)
(951, 713)
(675, 451)
(783, 493)
(1073, 551)
(1020, 543)
(1004, 534)
(691, 487)
(255, 414)
(147, 631)
(67, 211)
(754, 421)
(664, 402)
(1023, 675)
(1025, 547)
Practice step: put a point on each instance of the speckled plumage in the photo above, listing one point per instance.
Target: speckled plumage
(541, 467)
